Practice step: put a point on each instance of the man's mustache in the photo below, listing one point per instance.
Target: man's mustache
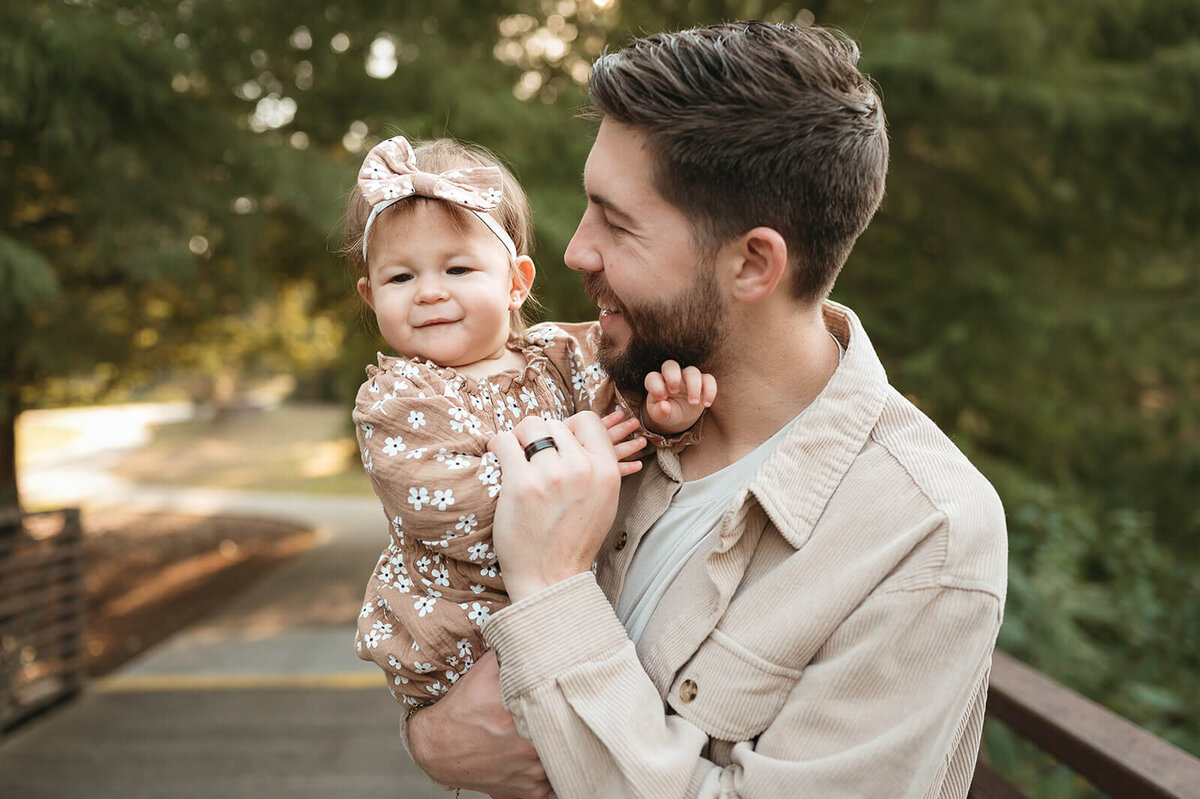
(599, 292)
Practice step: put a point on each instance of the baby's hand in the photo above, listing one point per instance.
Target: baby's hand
(676, 397)
(619, 429)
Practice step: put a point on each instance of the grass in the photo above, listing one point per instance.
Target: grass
(299, 448)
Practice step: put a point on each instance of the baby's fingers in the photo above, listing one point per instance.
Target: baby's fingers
(633, 446)
(621, 429)
(673, 377)
(656, 386)
(709, 392)
(693, 381)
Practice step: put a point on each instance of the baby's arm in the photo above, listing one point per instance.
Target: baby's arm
(675, 398)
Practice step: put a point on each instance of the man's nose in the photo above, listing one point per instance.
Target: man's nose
(581, 253)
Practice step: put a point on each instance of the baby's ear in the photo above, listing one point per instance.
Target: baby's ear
(522, 281)
(364, 291)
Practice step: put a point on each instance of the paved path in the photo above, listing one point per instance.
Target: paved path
(265, 699)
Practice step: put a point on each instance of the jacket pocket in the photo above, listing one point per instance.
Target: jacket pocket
(730, 692)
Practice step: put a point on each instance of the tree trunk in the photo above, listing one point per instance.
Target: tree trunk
(8, 451)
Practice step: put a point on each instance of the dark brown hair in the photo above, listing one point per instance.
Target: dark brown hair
(754, 123)
(441, 155)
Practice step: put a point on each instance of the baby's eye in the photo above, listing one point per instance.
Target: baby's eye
(404, 277)
(458, 270)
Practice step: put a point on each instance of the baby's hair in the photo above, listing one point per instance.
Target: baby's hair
(441, 155)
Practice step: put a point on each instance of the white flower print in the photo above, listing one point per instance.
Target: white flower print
(424, 605)
(416, 419)
(479, 613)
(477, 588)
(368, 429)
(579, 382)
(464, 647)
(514, 407)
(458, 414)
(442, 499)
(418, 498)
(372, 639)
(422, 668)
(367, 462)
(475, 427)
(373, 387)
(416, 453)
(394, 446)
(440, 577)
(492, 195)
(478, 551)
(423, 564)
(459, 461)
(383, 628)
(442, 455)
(546, 415)
(491, 478)
(452, 676)
(395, 664)
(366, 611)
(437, 689)
(467, 524)
(529, 398)
(384, 575)
(403, 585)
(489, 570)
(410, 370)
(476, 402)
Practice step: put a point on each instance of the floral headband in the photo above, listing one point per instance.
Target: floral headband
(390, 174)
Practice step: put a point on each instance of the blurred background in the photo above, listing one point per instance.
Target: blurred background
(173, 176)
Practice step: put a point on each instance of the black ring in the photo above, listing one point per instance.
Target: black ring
(537, 445)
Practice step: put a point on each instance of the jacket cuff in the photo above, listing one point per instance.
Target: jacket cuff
(551, 632)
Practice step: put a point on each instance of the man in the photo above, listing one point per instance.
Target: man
(803, 603)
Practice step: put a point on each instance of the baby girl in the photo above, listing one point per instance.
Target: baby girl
(439, 238)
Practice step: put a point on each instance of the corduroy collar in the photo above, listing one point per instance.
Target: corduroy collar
(796, 481)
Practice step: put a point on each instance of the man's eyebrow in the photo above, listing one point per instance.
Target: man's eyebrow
(603, 202)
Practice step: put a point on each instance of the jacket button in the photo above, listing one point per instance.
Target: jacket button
(687, 690)
(620, 543)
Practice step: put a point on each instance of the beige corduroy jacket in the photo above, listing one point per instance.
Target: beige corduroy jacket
(834, 642)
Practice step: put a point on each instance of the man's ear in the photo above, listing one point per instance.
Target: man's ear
(762, 261)
(522, 282)
(364, 291)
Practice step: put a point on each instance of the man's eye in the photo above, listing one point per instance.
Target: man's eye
(458, 270)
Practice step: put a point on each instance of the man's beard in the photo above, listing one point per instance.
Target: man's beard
(689, 329)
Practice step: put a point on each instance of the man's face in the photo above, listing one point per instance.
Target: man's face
(658, 294)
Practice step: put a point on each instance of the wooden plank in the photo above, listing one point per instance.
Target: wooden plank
(27, 601)
(988, 784)
(1115, 755)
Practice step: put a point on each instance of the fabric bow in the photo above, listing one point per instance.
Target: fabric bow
(390, 173)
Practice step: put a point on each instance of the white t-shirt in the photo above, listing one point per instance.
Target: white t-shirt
(690, 520)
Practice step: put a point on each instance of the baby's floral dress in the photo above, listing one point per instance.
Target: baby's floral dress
(422, 433)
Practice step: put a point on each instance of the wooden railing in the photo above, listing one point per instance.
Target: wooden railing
(41, 611)
(1113, 754)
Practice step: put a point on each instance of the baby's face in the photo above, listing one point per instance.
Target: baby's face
(439, 293)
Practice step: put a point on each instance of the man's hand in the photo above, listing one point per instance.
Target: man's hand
(468, 740)
(676, 397)
(556, 508)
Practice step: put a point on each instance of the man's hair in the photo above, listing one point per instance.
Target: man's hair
(436, 156)
(753, 123)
